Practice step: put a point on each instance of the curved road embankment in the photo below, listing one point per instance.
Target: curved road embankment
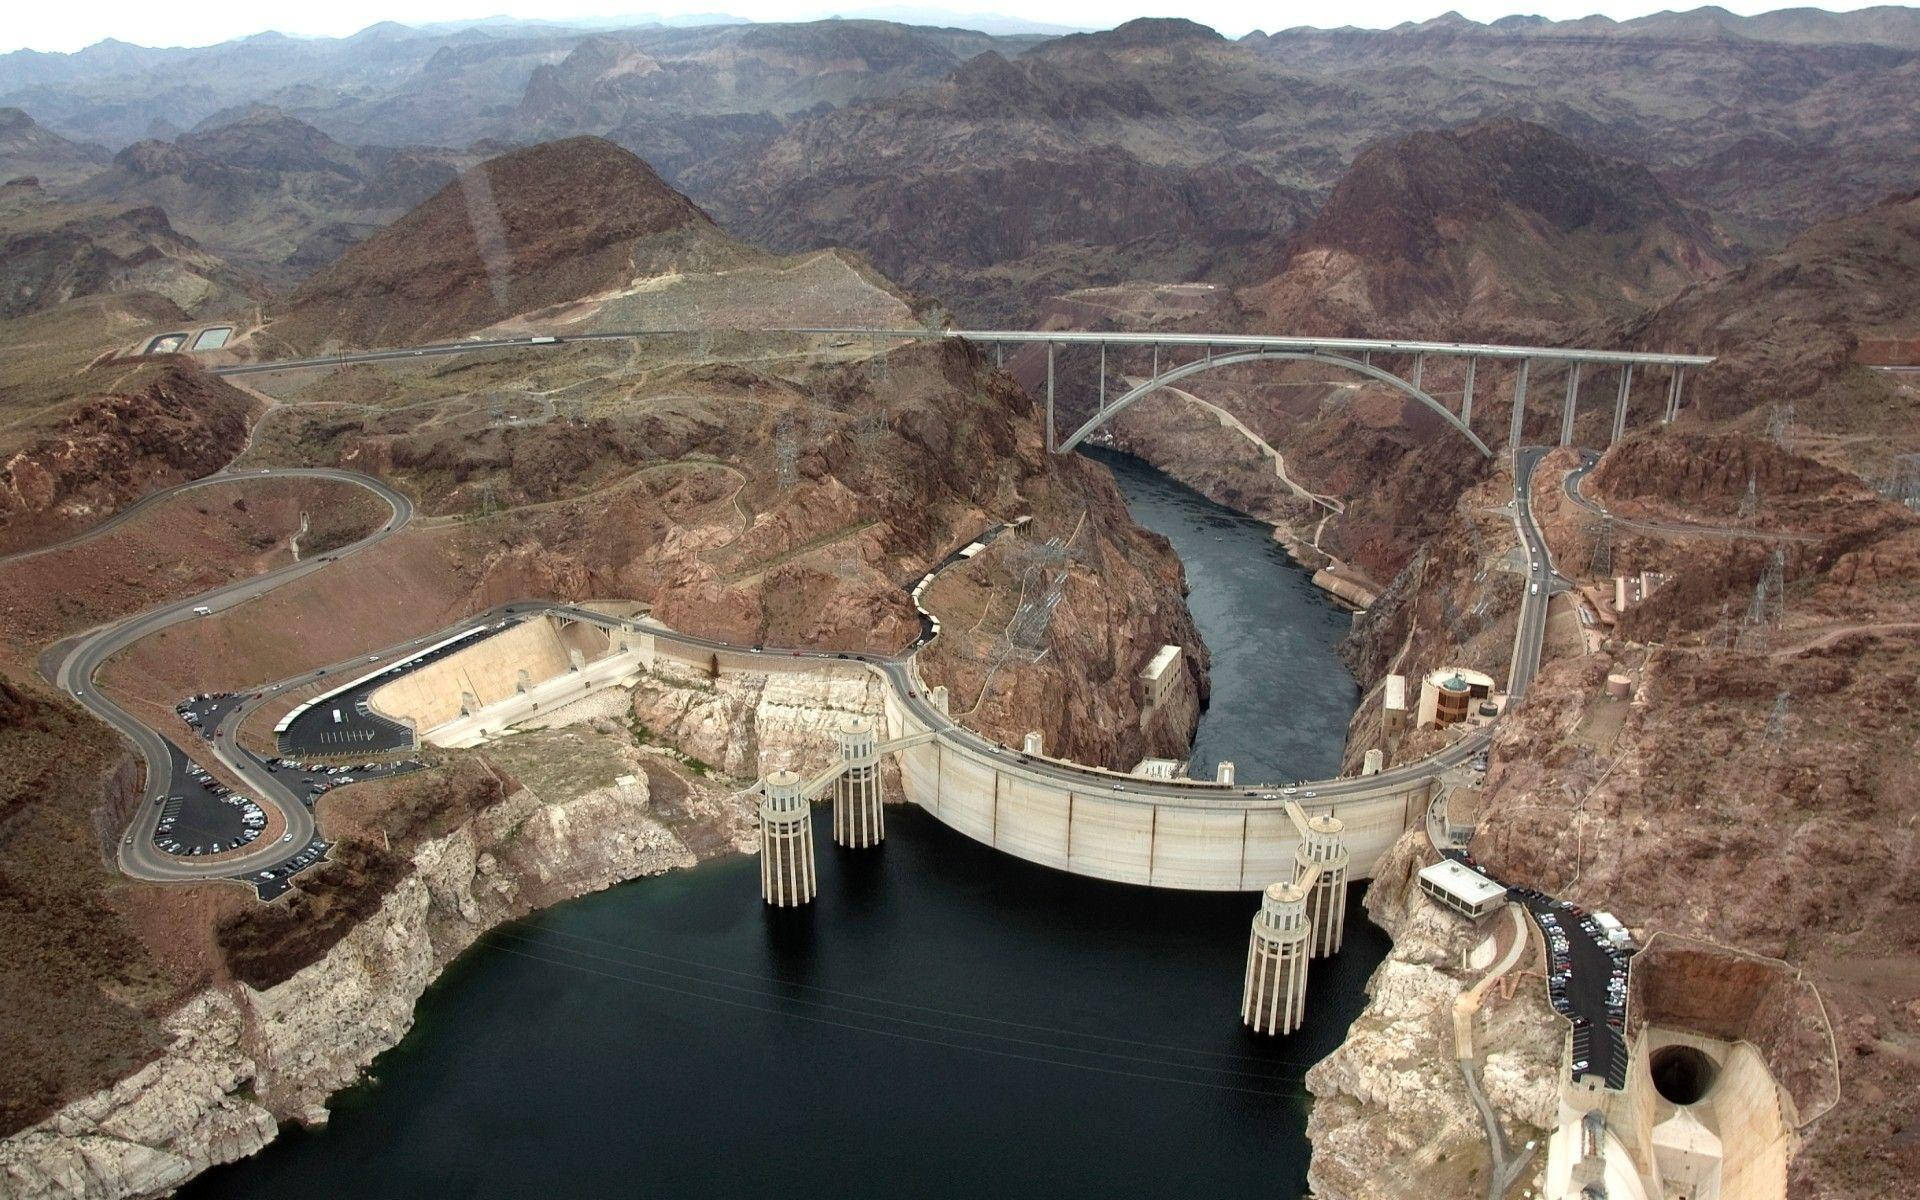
(72, 665)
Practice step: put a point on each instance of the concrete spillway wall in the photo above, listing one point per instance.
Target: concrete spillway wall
(491, 670)
(1223, 841)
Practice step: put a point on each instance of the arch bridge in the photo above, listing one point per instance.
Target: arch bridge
(1400, 365)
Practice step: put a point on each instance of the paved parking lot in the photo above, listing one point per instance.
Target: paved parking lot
(344, 724)
(199, 816)
(272, 883)
(1586, 978)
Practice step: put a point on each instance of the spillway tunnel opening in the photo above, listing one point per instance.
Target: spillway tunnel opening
(1682, 1074)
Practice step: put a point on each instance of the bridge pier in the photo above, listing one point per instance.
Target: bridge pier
(786, 842)
(1324, 848)
(858, 818)
(1051, 445)
(1274, 999)
(1573, 396)
(1519, 407)
(1620, 403)
(1673, 394)
(1466, 394)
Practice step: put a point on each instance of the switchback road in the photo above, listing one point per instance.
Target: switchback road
(76, 661)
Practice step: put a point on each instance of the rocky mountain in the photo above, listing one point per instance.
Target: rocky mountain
(52, 252)
(1786, 328)
(29, 149)
(1012, 179)
(1681, 92)
(528, 229)
(270, 192)
(1768, 124)
(1500, 231)
(678, 97)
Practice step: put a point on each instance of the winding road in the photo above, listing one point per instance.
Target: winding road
(74, 662)
(1530, 635)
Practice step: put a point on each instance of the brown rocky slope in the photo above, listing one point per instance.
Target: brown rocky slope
(1504, 229)
(528, 229)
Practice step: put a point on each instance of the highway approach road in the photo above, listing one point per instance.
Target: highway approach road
(72, 665)
(1542, 579)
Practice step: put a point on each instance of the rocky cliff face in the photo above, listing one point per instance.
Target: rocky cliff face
(149, 428)
(239, 1059)
(1690, 810)
(1391, 1115)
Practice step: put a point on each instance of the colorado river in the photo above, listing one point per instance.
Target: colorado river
(944, 1021)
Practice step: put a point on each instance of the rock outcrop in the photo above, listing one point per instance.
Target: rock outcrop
(145, 429)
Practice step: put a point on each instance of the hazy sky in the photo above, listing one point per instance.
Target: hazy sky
(56, 27)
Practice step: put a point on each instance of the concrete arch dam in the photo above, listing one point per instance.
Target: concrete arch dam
(1187, 835)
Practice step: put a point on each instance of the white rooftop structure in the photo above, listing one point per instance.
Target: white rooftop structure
(1461, 889)
(1162, 659)
(1157, 768)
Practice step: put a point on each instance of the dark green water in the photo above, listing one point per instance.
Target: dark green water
(945, 1021)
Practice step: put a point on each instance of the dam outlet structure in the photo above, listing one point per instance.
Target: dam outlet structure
(1274, 1000)
(787, 878)
(1321, 847)
(858, 818)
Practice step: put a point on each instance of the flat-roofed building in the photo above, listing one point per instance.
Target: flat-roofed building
(1461, 889)
(1157, 679)
(1393, 706)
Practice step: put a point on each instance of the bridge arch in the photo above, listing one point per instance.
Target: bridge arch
(1207, 364)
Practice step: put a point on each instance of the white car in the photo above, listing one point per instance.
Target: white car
(286, 837)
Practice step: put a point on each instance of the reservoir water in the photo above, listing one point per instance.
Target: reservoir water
(945, 1021)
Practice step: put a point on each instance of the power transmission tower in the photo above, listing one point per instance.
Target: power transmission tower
(869, 429)
(1601, 560)
(1768, 606)
(1780, 423)
(1902, 482)
(1749, 503)
(1480, 555)
(786, 450)
(487, 505)
(1775, 735)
